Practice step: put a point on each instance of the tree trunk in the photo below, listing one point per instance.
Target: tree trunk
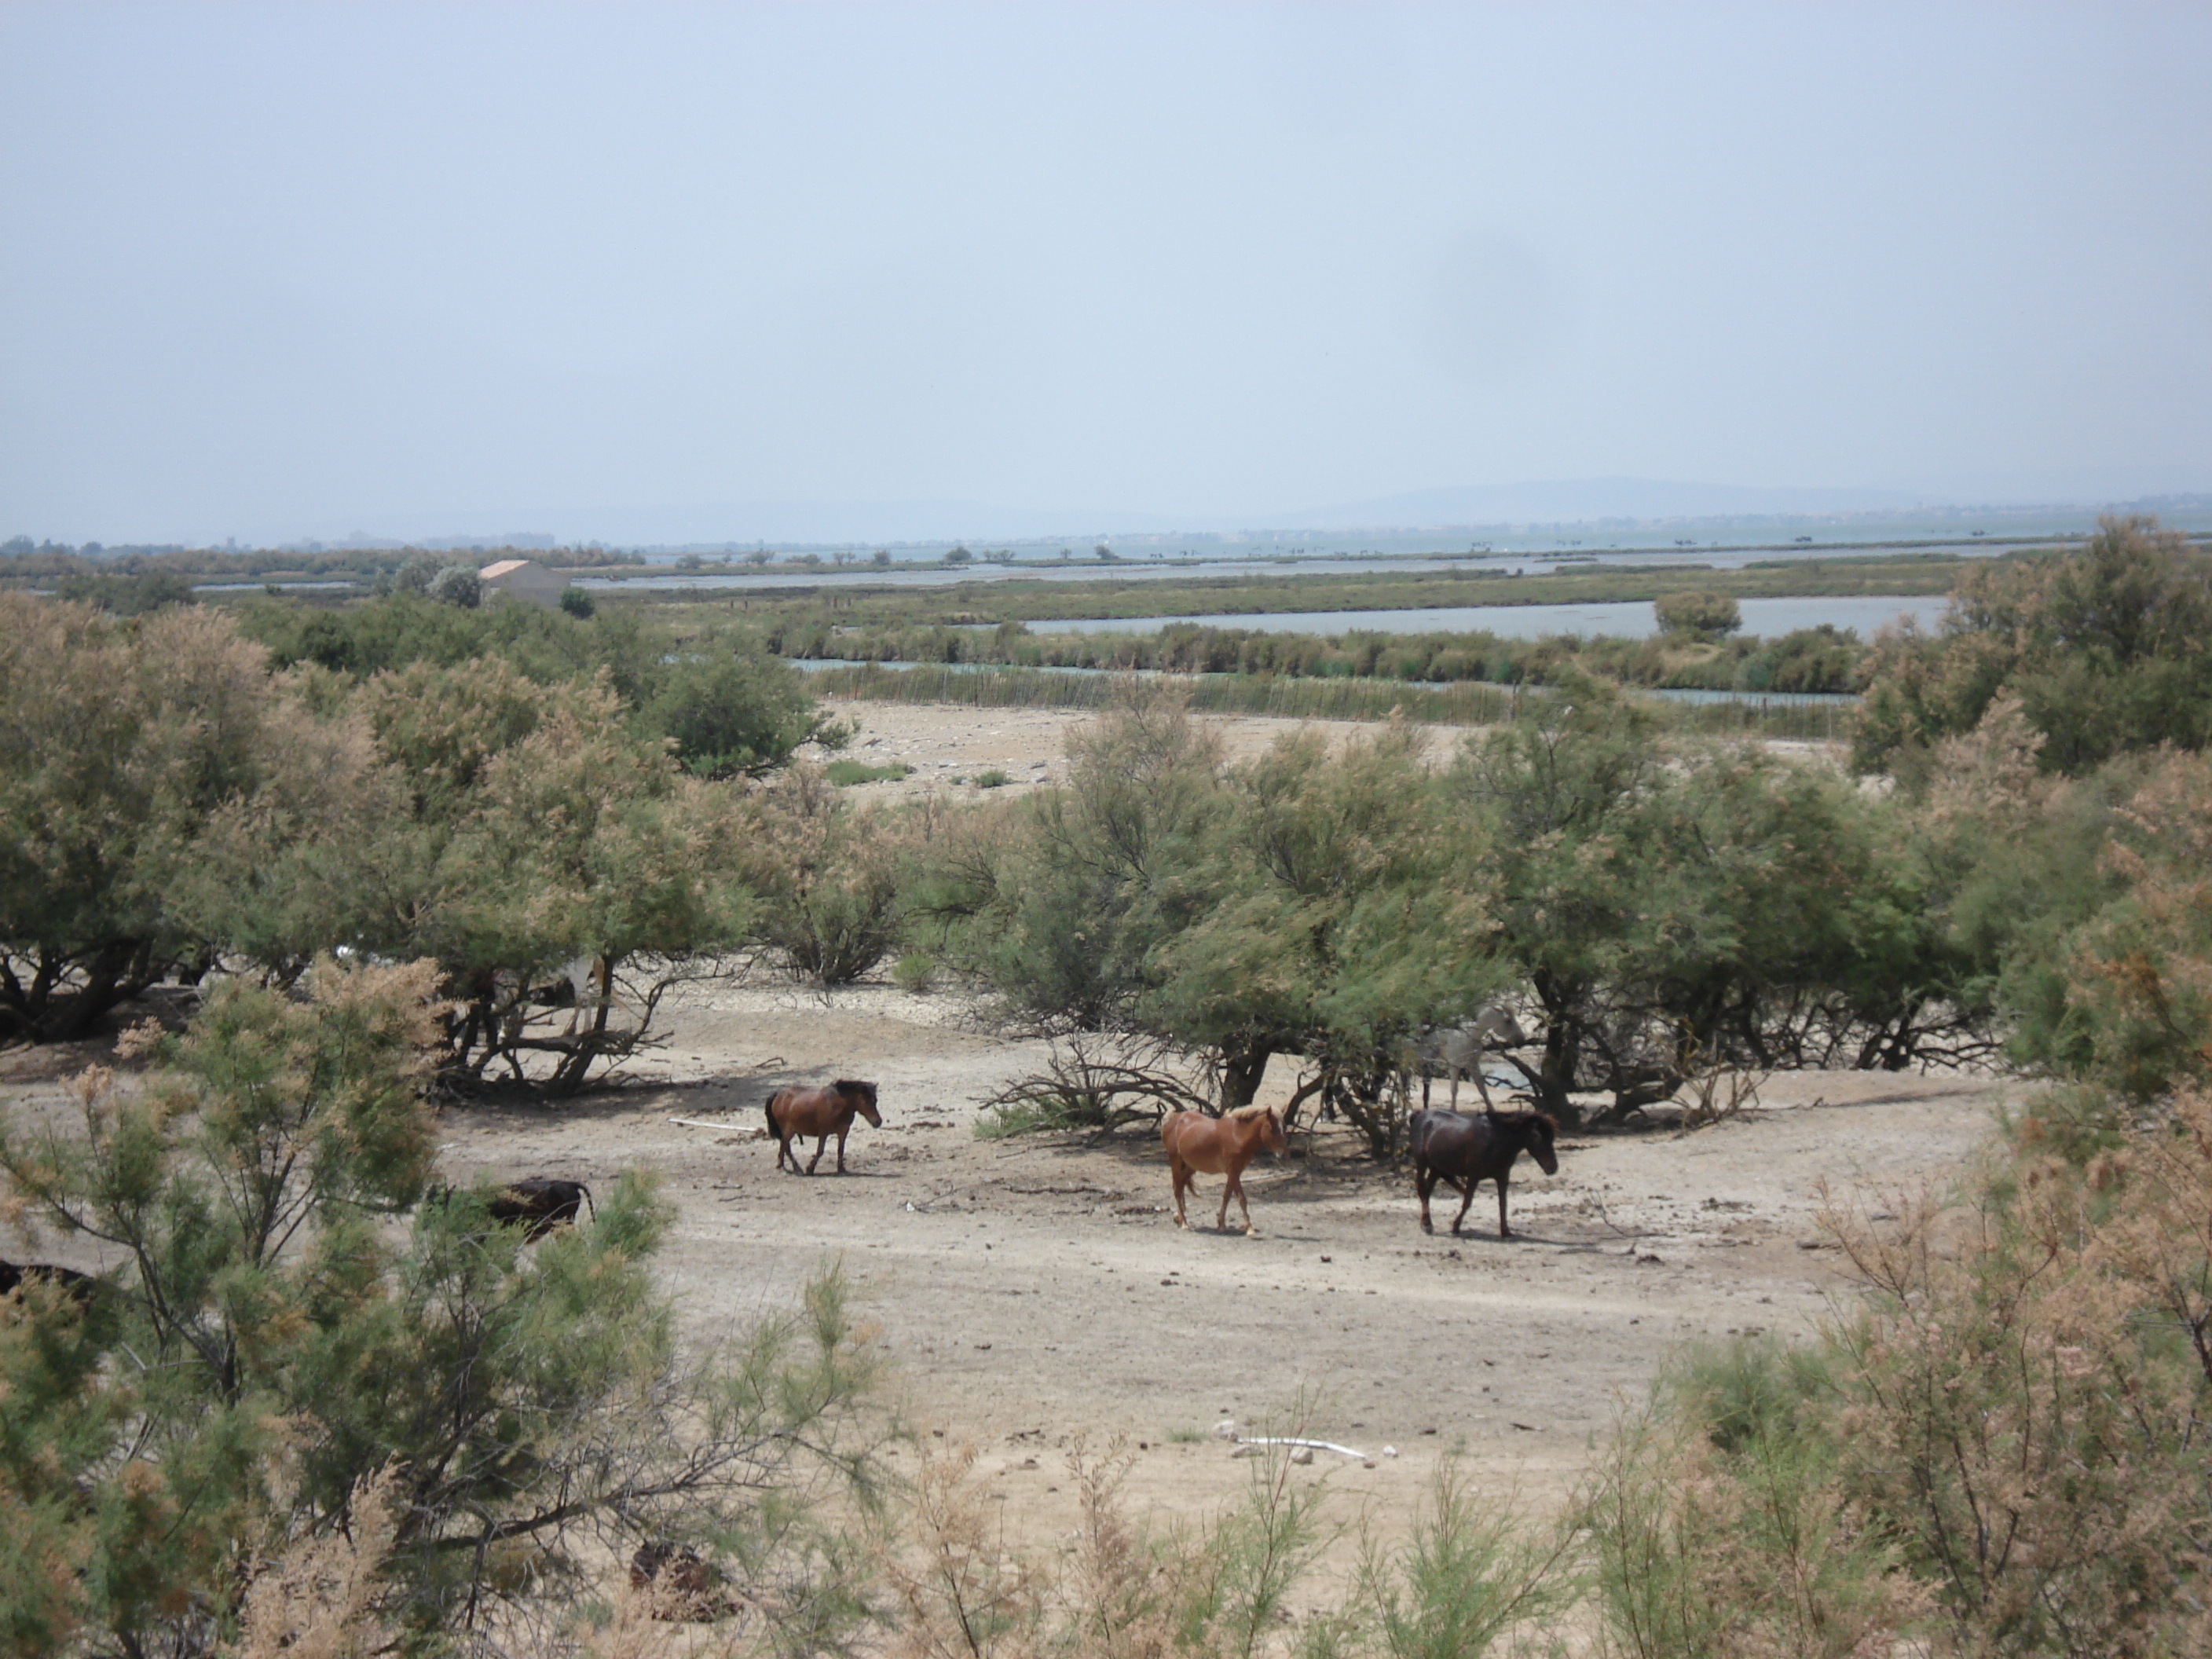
(1304, 1092)
(113, 976)
(1242, 1066)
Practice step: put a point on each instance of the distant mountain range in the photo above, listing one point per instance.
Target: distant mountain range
(1584, 501)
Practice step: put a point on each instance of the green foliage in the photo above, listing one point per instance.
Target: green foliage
(543, 833)
(129, 594)
(991, 778)
(121, 744)
(276, 1341)
(1465, 703)
(1341, 909)
(915, 972)
(1666, 908)
(831, 881)
(1702, 614)
(579, 603)
(847, 773)
(167, 800)
(1670, 909)
(729, 708)
(402, 629)
(2109, 962)
(2102, 647)
(456, 584)
(1060, 904)
(1706, 1554)
(735, 714)
(1471, 1571)
(1326, 905)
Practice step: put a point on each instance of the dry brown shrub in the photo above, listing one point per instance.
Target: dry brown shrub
(2029, 1387)
(963, 1589)
(317, 1600)
(1716, 1089)
(1112, 1589)
(1988, 777)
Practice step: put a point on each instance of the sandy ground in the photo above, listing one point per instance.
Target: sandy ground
(1029, 1292)
(948, 748)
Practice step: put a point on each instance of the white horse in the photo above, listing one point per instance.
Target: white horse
(1460, 1048)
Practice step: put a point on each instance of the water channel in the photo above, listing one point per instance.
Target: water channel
(1624, 619)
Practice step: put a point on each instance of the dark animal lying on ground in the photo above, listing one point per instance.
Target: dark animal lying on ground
(820, 1112)
(539, 1205)
(678, 1585)
(1465, 1152)
(82, 1286)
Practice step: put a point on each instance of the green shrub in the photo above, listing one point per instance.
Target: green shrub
(830, 879)
(1471, 1571)
(993, 779)
(847, 773)
(1703, 615)
(916, 971)
(302, 1321)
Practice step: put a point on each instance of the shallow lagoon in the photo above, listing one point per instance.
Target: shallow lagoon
(1626, 619)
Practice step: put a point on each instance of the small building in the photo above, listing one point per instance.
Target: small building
(526, 578)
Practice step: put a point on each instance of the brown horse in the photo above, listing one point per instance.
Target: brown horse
(1198, 1144)
(1464, 1152)
(820, 1112)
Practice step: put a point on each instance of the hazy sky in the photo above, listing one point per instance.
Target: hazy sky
(296, 269)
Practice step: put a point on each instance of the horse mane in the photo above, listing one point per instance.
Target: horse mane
(1528, 1115)
(1249, 1111)
(845, 1084)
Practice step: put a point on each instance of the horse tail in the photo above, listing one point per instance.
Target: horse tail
(768, 1106)
(591, 1210)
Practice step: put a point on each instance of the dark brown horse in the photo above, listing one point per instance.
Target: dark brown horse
(1198, 1144)
(1465, 1152)
(537, 1204)
(81, 1287)
(820, 1112)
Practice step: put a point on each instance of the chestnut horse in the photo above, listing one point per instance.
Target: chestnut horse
(1198, 1144)
(820, 1112)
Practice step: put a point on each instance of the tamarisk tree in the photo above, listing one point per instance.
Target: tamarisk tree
(287, 1317)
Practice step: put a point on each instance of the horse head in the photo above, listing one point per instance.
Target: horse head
(863, 1096)
(1534, 1131)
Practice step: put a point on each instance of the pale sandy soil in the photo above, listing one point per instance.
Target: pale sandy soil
(1032, 1291)
(949, 747)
